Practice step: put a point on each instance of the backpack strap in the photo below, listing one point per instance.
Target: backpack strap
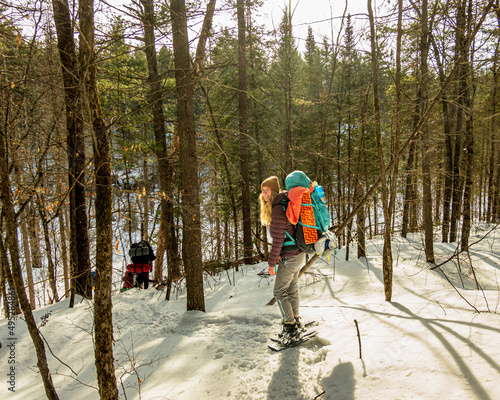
(283, 203)
(309, 226)
(290, 242)
(289, 239)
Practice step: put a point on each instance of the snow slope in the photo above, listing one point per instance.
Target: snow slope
(428, 343)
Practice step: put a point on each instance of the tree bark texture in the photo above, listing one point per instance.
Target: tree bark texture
(409, 198)
(10, 306)
(468, 149)
(360, 220)
(48, 248)
(387, 251)
(81, 280)
(426, 156)
(11, 243)
(492, 183)
(3, 278)
(242, 112)
(287, 51)
(191, 238)
(448, 149)
(397, 133)
(103, 322)
(458, 179)
(27, 259)
(166, 164)
(64, 251)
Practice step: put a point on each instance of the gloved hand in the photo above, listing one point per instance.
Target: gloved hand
(272, 270)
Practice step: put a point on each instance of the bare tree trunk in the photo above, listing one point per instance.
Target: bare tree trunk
(48, 249)
(287, 88)
(103, 321)
(349, 194)
(408, 223)
(426, 159)
(160, 251)
(24, 218)
(387, 252)
(191, 238)
(218, 233)
(62, 192)
(448, 149)
(64, 251)
(468, 140)
(358, 189)
(496, 197)
(459, 133)
(145, 200)
(242, 112)
(34, 236)
(492, 183)
(3, 278)
(11, 305)
(339, 175)
(438, 189)
(131, 218)
(166, 165)
(81, 280)
(467, 201)
(17, 275)
(397, 134)
(448, 173)
(27, 259)
(360, 220)
(457, 180)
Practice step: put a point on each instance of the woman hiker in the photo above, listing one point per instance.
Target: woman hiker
(284, 261)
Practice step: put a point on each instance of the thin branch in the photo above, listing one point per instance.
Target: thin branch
(457, 252)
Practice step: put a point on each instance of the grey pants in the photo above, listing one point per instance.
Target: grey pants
(286, 288)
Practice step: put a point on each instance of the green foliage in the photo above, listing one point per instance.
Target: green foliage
(327, 89)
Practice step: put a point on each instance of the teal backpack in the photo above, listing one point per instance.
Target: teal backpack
(321, 216)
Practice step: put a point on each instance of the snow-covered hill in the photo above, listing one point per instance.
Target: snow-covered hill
(428, 343)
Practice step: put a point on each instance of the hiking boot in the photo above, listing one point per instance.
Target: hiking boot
(290, 334)
(280, 335)
(299, 324)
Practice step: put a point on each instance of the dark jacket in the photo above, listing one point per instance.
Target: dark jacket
(280, 224)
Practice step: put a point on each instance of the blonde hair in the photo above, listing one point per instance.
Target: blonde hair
(266, 208)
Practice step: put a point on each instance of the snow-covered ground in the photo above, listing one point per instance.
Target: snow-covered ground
(428, 343)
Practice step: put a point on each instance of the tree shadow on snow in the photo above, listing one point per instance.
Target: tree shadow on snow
(340, 385)
(435, 327)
